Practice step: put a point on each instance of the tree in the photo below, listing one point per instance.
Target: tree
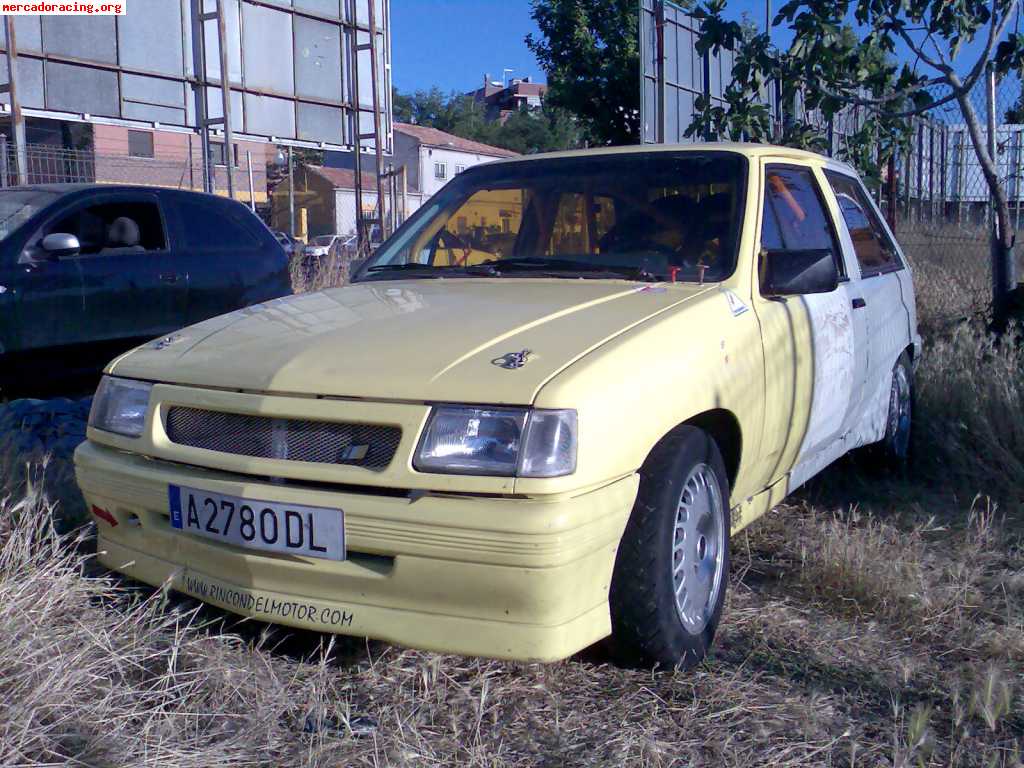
(528, 131)
(546, 130)
(589, 50)
(427, 107)
(829, 68)
(1015, 114)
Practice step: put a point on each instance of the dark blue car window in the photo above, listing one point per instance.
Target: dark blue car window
(214, 226)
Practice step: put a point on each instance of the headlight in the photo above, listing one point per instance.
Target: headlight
(505, 442)
(120, 406)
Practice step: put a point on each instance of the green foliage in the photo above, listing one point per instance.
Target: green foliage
(422, 108)
(529, 131)
(590, 51)
(829, 68)
(1015, 114)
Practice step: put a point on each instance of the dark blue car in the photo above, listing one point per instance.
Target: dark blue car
(89, 271)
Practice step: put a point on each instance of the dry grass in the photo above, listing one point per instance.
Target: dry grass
(316, 273)
(871, 622)
(952, 274)
(823, 659)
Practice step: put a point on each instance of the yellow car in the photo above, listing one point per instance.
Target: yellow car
(516, 456)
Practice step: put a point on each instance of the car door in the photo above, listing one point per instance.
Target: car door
(231, 260)
(814, 365)
(848, 219)
(110, 291)
(887, 319)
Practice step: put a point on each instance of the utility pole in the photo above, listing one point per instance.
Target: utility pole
(17, 120)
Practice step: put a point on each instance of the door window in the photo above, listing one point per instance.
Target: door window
(115, 228)
(213, 226)
(794, 214)
(875, 251)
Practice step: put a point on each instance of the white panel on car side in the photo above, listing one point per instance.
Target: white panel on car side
(833, 351)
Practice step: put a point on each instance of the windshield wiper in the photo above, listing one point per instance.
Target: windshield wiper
(542, 266)
(406, 265)
(435, 270)
(568, 267)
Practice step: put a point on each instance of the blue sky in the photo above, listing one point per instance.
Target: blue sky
(452, 43)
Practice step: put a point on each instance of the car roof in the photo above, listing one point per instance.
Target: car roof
(79, 188)
(747, 149)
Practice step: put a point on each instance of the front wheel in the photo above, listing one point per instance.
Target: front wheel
(671, 571)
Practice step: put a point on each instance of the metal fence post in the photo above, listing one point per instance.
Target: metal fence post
(659, 44)
(921, 169)
(707, 90)
(943, 172)
(893, 185)
(252, 191)
(225, 95)
(3, 161)
(291, 194)
(1018, 179)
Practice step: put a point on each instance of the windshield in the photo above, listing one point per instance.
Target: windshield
(18, 206)
(644, 216)
(322, 240)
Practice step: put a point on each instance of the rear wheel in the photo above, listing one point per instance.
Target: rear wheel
(671, 571)
(893, 450)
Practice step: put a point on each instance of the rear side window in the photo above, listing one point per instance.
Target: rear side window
(876, 253)
(212, 225)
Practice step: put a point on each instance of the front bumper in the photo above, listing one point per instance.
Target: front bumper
(489, 576)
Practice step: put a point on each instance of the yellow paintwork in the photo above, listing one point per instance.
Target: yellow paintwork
(515, 568)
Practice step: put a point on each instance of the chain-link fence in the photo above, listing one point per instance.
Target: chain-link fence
(48, 164)
(935, 193)
(939, 178)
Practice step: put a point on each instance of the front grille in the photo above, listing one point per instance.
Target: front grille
(361, 445)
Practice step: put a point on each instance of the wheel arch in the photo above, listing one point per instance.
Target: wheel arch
(724, 428)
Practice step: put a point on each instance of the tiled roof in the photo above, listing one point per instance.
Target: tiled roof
(432, 137)
(343, 178)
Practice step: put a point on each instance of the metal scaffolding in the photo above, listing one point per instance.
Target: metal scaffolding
(203, 82)
(324, 112)
(358, 136)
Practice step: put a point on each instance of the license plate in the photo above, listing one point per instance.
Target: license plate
(266, 525)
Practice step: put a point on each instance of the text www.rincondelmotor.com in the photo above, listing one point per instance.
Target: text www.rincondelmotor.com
(65, 9)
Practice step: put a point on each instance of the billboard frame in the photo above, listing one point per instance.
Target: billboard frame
(190, 77)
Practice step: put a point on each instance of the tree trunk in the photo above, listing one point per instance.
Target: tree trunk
(1004, 278)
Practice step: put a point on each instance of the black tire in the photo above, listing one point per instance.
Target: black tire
(892, 452)
(647, 627)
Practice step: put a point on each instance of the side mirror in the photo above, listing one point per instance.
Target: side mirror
(794, 273)
(60, 245)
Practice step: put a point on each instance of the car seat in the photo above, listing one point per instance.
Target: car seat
(122, 237)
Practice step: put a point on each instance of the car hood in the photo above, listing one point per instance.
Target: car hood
(422, 340)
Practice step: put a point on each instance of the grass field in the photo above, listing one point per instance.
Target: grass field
(870, 622)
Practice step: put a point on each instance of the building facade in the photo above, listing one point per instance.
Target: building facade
(500, 100)
(432, 157)
(325, 202)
